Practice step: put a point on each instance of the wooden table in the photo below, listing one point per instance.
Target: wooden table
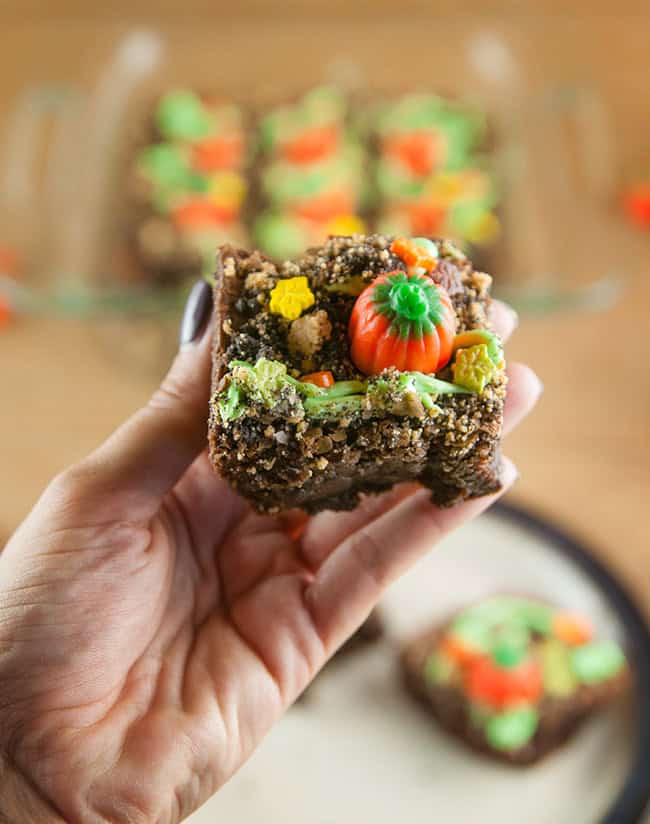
(583, 456)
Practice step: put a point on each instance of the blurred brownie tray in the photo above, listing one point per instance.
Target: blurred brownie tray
(512, 677)
(365, 363)
(207, 171)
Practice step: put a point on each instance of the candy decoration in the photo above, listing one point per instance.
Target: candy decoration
(419, 252)
(636, 202)
(291, 297)
(6, 312)
(166, 165)
(419, 151)
(181, 116)
(513, 729)
(322, 379)
(496, 686)
(218, 153)
(557, 676)
(597, 661)
(11, 264)
(312, 145)
(572, 629)
(403, 321)
(324, 207)
(201, 213)
(473, 368)
(345, 224)
(475, 337)
(511, 649)
(439, 669)
(459, 649)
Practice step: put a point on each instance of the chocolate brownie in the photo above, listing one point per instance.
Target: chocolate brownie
(514, 677)
(310, 171)
(367, 362)
(430, 177)
(188, 186)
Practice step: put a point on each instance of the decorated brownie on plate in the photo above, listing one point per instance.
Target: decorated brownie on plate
(367, 362)
(514, 677)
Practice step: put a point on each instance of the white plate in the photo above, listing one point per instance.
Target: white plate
(361, 752)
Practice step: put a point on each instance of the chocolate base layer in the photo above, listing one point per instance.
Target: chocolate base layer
(560, 718)
(281, 459)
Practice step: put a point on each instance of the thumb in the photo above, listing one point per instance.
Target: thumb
(145, 457)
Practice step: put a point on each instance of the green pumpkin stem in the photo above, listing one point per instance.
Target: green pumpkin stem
(412, 305)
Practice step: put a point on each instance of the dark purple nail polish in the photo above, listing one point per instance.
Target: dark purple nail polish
(196, 313)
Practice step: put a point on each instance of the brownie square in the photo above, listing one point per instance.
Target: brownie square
(285, 442)
(513, 678)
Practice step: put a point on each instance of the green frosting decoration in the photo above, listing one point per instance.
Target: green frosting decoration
(230, 406)
(334, 407)
(264, 382)
(502, 618)
(439, 669)
(511, 646)
(392, 182)
(512, 729)
(476, 632)
(284, 183)
(182, 116)
(166, 165)
(427, 245)
(597, 661)
(536, 616)
(558, 678)
(320, 106)
(280, 236)
(267, 381)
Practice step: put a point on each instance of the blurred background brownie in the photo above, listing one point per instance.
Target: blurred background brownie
(514, 678)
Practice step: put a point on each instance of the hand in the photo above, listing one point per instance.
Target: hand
(153, 628)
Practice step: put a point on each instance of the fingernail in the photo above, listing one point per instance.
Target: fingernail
(509, 473)
(540, 386)
(196, 313)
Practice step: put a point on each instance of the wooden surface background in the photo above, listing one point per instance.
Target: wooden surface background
(584, 455)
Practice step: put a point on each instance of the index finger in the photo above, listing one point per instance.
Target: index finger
(352, 579)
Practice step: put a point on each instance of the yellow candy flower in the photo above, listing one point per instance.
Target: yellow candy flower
(473, 368)
(227, 189)
(291, 297)
(345, 225)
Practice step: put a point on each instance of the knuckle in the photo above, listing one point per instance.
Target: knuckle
(72, 482)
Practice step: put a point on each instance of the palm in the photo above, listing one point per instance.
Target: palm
(204, 663)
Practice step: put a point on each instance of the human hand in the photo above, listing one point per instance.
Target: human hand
(153, 628)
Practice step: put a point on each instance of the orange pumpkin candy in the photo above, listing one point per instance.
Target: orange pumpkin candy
(404, 321)
(488, 683)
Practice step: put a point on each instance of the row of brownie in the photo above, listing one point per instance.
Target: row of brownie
(210, 172)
